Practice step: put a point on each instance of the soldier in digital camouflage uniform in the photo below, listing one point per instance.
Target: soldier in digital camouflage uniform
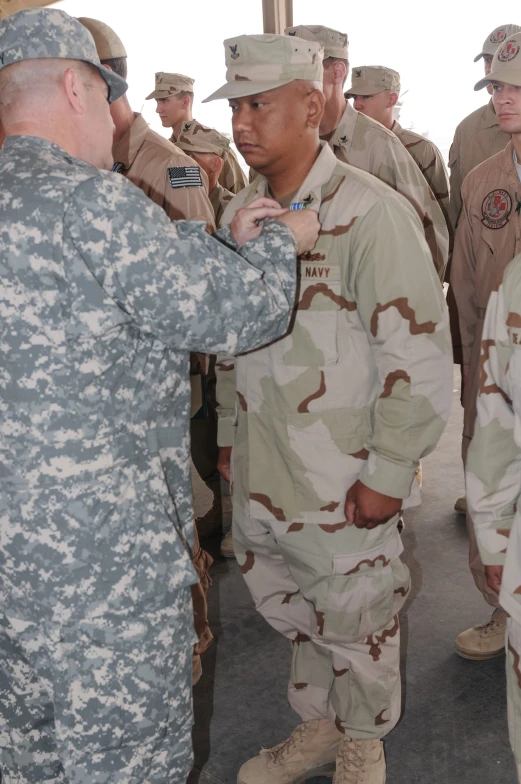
(102, 298)
(494, 473)
(174, 94)
(376, 90)
(147, 160)
(362, 142)
(208, 148)
(343, 407)
(488, 237)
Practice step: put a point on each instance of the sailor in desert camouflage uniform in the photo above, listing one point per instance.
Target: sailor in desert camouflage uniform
(494, 473)
(376, 90)
(208, 148)
(102, 299)
(362, 142)
(174, 94)
(322, 431)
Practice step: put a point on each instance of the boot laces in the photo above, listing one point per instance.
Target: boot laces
(349, 763)
(497, 620)
(299, 735)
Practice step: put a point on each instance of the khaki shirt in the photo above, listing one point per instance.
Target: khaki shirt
(366, 363)
(232, 176)
(220, 198)
(144, 157)
(487, 239)
(430, 162)
(477, 138)
(364, 143)
(493, 475)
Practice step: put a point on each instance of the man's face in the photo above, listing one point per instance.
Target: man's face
(487, 62)
(99, 134)
(267, 126)
(507, 103)
(171, 110)
(375, 106)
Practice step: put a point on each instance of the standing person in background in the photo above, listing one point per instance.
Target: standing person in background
(364, 143)
(148, 160)
(174, 94)
(488, 237)
(376, 90)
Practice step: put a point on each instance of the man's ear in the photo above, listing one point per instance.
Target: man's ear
(339, 72)
(217, 165)
(393, 100)
(316, 105)
(74, 90)
(186, 101)
(106, 65)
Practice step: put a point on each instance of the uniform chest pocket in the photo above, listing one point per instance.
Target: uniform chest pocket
(313, 339)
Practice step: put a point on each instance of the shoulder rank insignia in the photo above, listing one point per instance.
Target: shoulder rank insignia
(343, 140)
(185, 177)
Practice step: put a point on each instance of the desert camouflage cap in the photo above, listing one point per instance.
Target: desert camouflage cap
(334, 43)
(195, 137)
(48, 33)
(373, 79)
(497, 37)
(506, 65)
(171, 84)
(108, 44)
(257, 63)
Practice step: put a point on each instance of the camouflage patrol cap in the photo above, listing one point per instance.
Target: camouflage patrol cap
(506, 65)
(48, 33)
(373, 79)
(108, 44)
(257, 63)
(334, 43)
(195, 137)
(497, 37)
(171, 84)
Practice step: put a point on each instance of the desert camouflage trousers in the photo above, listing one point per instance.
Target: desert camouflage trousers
(513, 661)
(340, 611)
(92, 704)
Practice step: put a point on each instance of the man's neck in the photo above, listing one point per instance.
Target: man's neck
(291, 176)
(516, 141)
(333, 112)
(176, 129)
(123, 117)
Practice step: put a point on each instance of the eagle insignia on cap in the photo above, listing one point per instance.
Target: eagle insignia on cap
(293, 33)
(508, 51)
(497, 37)
(358, 73)
(235, 53)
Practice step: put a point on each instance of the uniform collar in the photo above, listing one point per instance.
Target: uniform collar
(36, 143)
(397, 128)
(491, 120)
(506, 161)
(310, 192)
(343, 135)
(127, 148)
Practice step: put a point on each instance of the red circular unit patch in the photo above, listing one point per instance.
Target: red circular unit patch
(496, 209)
(508, 51)
(497, 37)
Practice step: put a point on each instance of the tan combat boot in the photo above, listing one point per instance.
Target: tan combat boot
(310, 751)
(227, 550)
(360, 762)
(484, 641)
(461, 505)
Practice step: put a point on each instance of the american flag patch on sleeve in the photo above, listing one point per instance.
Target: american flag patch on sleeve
(185, 177)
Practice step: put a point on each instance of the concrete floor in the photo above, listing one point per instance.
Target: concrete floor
(453, 729)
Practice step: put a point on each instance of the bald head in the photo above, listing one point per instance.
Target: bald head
(63, 101)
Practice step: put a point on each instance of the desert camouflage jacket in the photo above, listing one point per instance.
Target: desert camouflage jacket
(493, 475)
(219, 199)
(361, 385)
(366, 144)
(102, 299)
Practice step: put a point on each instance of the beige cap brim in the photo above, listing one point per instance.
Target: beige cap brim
(243, 88)
(364, 91)
(479, 56)
(161, 94)
(506, 75)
